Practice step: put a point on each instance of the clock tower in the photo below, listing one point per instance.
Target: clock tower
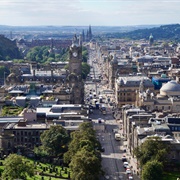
(75, 70)
(75, 57)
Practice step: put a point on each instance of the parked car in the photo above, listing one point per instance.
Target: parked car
(117, 137)
(128, 171)
(125, 164)
(124, 159)
(130, 177)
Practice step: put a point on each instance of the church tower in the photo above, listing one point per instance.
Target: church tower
(75, 70)
(75, 57)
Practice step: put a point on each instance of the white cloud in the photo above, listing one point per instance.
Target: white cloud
(83, 12)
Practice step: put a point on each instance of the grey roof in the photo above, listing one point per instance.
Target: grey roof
(134, 81)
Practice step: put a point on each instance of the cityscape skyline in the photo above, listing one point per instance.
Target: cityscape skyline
(83, 12)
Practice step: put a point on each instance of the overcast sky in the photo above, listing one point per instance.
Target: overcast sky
(85, 12)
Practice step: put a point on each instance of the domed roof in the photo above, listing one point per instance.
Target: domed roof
(151, 36)
(170, 86)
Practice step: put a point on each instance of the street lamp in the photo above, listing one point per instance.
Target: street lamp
(4, 79)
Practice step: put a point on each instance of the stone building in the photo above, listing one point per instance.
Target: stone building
(166, 101)
(126, 88)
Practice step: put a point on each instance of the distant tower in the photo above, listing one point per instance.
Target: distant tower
(80, 40)
(83, 36)
(10, 34)
(90, 33)
(151, 40)
(87, 36)
(52, 46)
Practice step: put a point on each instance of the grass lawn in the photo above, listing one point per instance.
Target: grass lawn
(171, 175)
(45, 171)
(11, 110)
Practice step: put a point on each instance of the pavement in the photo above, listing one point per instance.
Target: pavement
(132, 161)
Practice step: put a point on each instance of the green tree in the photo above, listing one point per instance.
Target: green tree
(55, 140)
(152, 170)
(16, 167)
(85, 70)
(85, 137)
(85, 165)
(152, 149)
(3, 70)
(57, 57)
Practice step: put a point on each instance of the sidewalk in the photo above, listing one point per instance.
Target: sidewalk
(132, 162)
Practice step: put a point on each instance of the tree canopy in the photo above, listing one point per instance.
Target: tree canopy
(152, 170)
(16, 167)
(55, 140)
(85, 165)
(42, 54)
(152, 149)
(84, 148)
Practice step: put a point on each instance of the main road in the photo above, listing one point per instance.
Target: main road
(114, 150)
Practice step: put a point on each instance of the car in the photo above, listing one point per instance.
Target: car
(124, 159)
(128, 171)
(130, 177)
(102, 149)
(125, 164)
(115, 130)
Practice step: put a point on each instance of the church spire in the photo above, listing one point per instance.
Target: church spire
(90, 32)
(83, 36)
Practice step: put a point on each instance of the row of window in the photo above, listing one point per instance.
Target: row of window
(25, 139)
(26, 133)
(177, 135)
(175, 128)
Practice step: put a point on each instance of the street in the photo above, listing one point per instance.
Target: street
(112, 163)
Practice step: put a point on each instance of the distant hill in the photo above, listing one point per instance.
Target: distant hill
(166, 32)
(8, 49)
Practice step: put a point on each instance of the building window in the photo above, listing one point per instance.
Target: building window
(21, 133)
(29, 133)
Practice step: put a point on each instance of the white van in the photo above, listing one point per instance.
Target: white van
(117, 137)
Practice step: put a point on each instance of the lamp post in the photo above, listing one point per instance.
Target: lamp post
(4, 78)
